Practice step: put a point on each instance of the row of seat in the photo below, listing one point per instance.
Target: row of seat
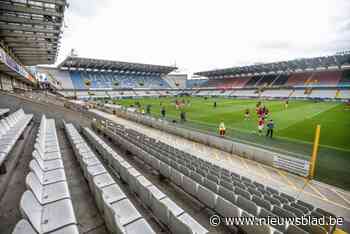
(11, 128)
(166, 210)
(203, 169)
(210, 192)
(4, 112)
(46, 205)
(121, 216)
(277, 203)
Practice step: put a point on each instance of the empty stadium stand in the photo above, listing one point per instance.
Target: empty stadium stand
(221, 190)
(345, 79)
(46, 205)
(121, 216)
(106, 80)
(11, 129)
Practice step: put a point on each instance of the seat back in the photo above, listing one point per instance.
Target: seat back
(31, 209)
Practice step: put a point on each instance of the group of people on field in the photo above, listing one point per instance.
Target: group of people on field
(262, 113)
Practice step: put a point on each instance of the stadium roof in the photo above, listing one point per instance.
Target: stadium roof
(337, 60)
(100, 64)
(31, 29)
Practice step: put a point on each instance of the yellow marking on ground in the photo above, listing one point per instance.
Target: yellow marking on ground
(340, 195)
(286, 179)
(317, 191)
(339, 231)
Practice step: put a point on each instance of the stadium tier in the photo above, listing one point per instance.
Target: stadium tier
(195, 83)
(301, 79)
(98, 80)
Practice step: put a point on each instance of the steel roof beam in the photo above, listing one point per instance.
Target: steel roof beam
(30, 48)
(29, 10)
(55, 2)
(24, 20)
(21, 36)
(9, 27)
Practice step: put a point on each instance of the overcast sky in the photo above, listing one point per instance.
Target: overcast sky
(205, 34)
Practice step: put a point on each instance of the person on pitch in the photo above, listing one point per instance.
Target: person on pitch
(247, 114)
(222, 129)
(270, 126)
(162, 112)
(261, 124)
(286, 105)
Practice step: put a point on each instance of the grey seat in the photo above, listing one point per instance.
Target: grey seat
(177, 226)
(161, 210)
(247, 205)
(256, 229)
(190, 186)
(265, 214)
(272, 190)
(48, 193)
(122, 215)
(93, 171)
(281, 199)
(24, 227)
(242, 193)
(100, 182)
(88, 162)
(132, 175)
(288, 197)
(255, 192)
(294, 210)
(165, 169)
(139, 226)
(155, 163)
(272, 200)
(48, 177)
(305, 204)
(124, 174)
(47, 218)
(227, 184)
(226, 208)
(282, 212)
(141, 188)
(300, 207)
(47, 165)
(262, 203)
(211, 185)
(227, 194)
(191, 223)
(197, 177)
(206, 196)
(176, 177)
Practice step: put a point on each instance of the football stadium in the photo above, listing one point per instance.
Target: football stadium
(93, 144)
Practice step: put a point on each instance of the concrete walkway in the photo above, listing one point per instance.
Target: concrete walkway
(319, 194)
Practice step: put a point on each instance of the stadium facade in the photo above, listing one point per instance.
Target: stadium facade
(30, 33)
(314, 78)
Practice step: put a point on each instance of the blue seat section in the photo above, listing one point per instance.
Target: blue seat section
(77, 81)
(194, 83)
(106, 80)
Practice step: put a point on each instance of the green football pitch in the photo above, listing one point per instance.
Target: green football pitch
(294, 127)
